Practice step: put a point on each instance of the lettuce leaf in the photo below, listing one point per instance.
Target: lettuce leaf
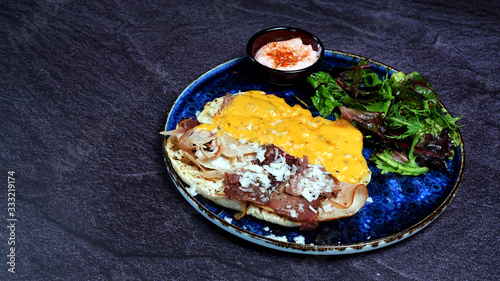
(409, 121)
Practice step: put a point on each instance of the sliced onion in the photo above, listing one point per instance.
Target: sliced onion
(178, 132)
(202, 137)
(210, 155)
(185, 141)
(233, 148)
(228, 146)
(192, 138)
(194, 160)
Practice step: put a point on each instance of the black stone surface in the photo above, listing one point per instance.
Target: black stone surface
(85, 87)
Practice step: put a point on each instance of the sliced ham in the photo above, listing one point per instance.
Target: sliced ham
(345, 196)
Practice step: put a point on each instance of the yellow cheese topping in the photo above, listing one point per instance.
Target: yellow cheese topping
(268, 119)
(206, 127)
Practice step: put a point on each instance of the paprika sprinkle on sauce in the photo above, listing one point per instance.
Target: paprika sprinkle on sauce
(287, 55)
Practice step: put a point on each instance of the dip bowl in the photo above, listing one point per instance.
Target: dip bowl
(281, 33)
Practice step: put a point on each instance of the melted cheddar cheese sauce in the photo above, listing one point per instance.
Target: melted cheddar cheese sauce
(267, 119)
(206, 127)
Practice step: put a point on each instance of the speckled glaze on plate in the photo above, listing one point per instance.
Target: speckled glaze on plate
(398, 206)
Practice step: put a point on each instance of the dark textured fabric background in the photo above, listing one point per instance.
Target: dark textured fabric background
(85, 87)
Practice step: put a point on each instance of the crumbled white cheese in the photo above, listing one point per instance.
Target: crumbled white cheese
(315, 183)
(301, 207)
(278, 168)
(310, 192)
(260, 154)
(279, 238)
(254, 175)
(312, 209)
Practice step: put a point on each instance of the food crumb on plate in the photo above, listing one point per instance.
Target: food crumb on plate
(279, 238)
(299, 239)
(192, 190)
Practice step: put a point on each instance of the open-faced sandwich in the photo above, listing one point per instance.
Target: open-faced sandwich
(254, 153)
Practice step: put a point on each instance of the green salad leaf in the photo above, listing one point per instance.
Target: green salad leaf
(386, 162)
(328, 94)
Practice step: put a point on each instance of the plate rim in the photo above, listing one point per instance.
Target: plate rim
(269, 242)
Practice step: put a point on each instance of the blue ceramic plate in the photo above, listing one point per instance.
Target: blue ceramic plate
(397, 208)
